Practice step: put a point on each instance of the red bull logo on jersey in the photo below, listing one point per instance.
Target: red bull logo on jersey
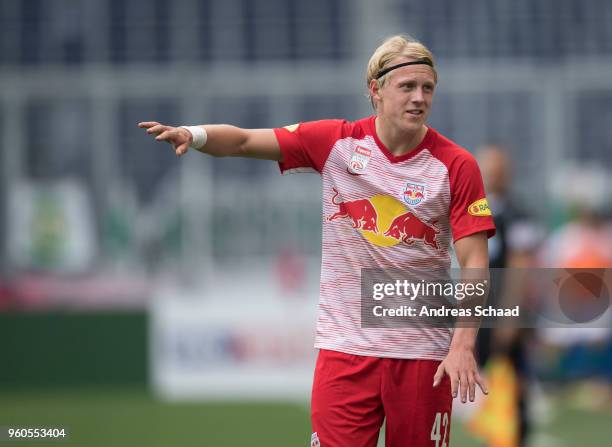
(361, 212)
(414, 193)
(385, 221)
(409, 228)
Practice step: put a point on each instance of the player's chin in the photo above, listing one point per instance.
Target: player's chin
(413, 123)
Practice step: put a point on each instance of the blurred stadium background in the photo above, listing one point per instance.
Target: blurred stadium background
(146, 300)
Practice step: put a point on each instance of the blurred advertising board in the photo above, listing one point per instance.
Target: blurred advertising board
(221, 347)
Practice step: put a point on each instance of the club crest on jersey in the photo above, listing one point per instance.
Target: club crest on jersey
(360, 159)
(414, 193)
(314, 440)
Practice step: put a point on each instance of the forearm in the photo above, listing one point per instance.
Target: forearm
(224, 140)
(473, 258)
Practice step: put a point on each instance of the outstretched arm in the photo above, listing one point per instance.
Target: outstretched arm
(222, 140)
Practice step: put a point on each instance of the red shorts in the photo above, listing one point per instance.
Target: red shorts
(352, 395)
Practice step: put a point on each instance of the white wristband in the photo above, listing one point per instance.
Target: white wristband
(199, 136)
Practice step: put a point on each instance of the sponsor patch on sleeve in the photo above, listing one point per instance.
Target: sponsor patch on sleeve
(479, 208)
(292, 127)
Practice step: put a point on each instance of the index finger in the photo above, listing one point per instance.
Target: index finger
(147, 124)
(481, 383)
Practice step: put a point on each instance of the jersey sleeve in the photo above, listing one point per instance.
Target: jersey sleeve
(470, 212)
(306, 146)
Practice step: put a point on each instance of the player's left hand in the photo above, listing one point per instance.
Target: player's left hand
(460, 366)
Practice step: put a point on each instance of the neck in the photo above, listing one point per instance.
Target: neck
(397, 141)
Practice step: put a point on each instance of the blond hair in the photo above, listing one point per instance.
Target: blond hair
(392, 48)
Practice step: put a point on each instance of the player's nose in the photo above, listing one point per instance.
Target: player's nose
(418, 97)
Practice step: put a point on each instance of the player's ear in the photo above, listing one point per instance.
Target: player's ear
(374, 91)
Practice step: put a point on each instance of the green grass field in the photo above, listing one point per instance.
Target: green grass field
(131, 417)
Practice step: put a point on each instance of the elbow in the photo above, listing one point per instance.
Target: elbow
(242, 150)
(481, 263)
(476, 261)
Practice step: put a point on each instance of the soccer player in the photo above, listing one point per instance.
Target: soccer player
(395, 193)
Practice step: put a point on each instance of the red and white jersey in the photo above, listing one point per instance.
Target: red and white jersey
(383, 211)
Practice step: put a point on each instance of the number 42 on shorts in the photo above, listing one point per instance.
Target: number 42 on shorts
(436, 435)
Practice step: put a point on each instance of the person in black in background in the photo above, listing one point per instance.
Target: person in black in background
(509, 243)
(496, 172)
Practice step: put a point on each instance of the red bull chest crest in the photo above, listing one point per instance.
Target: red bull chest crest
(414, 193)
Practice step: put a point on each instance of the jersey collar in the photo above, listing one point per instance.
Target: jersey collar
(426, 143)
